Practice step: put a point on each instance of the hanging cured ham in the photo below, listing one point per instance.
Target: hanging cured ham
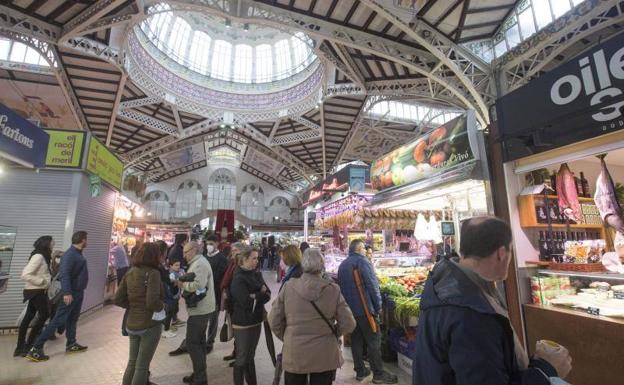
(567, 195)
(606, 199)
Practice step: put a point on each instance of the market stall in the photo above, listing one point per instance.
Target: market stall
(564, 169)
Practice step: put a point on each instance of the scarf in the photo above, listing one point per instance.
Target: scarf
(492, 295)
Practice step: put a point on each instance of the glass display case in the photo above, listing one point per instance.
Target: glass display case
(389, 264)
(7, 245)
(600, 294)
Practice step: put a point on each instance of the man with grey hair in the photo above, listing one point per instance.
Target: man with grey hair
(199, 312)
(360, 288)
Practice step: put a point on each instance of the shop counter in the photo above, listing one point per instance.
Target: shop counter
(596, 343)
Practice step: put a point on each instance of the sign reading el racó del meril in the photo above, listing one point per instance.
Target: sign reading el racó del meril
(20, 140)
(103, 163)
(578, 100)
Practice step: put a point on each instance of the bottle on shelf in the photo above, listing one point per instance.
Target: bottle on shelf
(585, 185)
(553, 182)
(579, 186)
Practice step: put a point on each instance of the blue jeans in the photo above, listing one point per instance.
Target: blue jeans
(66, 315)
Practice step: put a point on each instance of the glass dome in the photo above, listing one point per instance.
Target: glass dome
(231, 52)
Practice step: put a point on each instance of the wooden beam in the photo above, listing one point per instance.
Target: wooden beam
(447, 13)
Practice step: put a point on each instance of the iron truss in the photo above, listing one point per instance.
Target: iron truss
(525, 62)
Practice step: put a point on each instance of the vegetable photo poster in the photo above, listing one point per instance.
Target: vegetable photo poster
(442, 149)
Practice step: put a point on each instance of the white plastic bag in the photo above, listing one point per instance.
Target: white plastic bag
(558, 381)
(159, 315)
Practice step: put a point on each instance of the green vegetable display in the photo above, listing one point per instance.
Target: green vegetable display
(406, 307)
(393, 289)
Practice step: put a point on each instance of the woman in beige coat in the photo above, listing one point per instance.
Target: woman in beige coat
(310, 315)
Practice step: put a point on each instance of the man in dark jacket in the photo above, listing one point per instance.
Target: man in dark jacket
(364, 333)
(74, 280)
(218, 263)
(464, 334)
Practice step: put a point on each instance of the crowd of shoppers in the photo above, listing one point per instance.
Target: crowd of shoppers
(464, 333)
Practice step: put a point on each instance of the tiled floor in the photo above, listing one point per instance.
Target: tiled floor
(105, 361)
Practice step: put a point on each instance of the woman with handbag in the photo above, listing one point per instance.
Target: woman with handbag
(310, 315)
(141, 292)
(36, 276)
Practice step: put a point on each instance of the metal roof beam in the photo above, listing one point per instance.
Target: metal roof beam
(111, 124)
(135, 103)
(358, 78)
(149, 121)
(90, 15)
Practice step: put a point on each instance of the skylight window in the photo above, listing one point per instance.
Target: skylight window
(526, 19)
(20, 53)
(411, 112)
(230, 53)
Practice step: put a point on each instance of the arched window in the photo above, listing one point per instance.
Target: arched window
(188, 199)
(252, 202)
(279, 209)
(157, 203)
(221, 190)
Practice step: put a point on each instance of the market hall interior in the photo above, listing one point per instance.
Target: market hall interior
(335, 144)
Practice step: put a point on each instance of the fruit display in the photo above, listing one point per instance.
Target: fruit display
(442, 148)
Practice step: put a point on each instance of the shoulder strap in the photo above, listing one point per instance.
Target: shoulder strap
(332, 327)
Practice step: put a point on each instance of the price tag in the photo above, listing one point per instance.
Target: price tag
(593, 310)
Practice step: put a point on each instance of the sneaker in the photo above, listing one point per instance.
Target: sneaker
(20, 351)
(178, 323)
(229, 358)
(187, 379)
(362, 374)
(177, 352)
(36, 355)
(385, 378)
(168, 334)
(76, 348)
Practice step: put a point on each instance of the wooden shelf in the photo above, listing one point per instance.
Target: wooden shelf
(563, 226)
(581, 199)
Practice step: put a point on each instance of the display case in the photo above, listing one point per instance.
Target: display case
(389, 264)
(600, 294)
(7, 245)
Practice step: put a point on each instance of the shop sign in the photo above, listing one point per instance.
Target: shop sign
(20, 140)
(95, 186)
(578, 100)
(441, 150)
(65, 149)
(350, 178)
(103, 163)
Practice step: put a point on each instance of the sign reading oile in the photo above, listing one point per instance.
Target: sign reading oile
(103, 163)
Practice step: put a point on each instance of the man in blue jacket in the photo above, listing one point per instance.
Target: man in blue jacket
(74, 278)
(363, 333)
(464, 334)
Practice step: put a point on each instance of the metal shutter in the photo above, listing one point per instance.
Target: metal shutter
(95, 216)
(37, 204)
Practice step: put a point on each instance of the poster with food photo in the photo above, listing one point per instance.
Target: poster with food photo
(442, 149)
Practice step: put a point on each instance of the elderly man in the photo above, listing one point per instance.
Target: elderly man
(218, 263)
(464, 333)
(201, 289)
(367, 331)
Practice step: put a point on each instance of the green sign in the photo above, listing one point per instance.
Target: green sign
(95, 186)
(103, 163)
(439, 151)
(65, 149)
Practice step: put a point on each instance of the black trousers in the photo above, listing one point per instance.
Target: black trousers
(196, 326)
(213, 327)
(363, 336)
(246, 341)
(121, 272)
(323, 378)
(37, 305)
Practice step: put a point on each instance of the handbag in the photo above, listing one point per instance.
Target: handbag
(54, 290)
(227, 332)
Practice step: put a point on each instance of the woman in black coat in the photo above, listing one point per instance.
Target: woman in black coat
(248, 293)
